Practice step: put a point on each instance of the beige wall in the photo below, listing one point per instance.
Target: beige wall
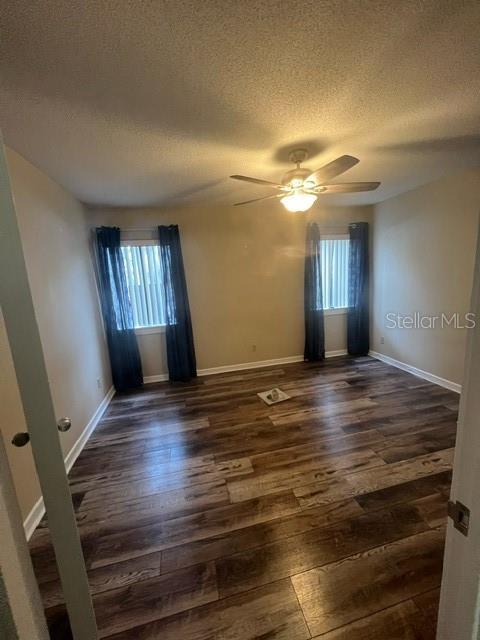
(244, 271)
(423, 259)
(55, 241)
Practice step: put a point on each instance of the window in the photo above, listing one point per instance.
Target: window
(334, 253)
(143, 272)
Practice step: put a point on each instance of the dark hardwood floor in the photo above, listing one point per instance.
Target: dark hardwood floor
(207, 515)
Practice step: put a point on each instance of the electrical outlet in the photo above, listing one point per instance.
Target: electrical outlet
(254, 347)
(99, 383)
(382, 340)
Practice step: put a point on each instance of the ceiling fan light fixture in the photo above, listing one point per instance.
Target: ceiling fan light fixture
(296, 183)
(298, 201)
(301, 186)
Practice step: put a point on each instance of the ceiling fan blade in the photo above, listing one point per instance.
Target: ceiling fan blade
(259, 181)
(348, 187)
(238, 204)
(333, 169)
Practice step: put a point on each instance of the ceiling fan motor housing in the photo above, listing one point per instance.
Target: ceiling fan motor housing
(297, 156)
(296, 177)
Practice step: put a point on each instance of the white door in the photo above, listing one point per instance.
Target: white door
(19, 590)
(27, 354)
(460, 596)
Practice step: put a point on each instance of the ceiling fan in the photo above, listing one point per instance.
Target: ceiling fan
(300, 187)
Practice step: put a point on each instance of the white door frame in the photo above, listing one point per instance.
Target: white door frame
(15, 564)
(460, 596)
(27, 354)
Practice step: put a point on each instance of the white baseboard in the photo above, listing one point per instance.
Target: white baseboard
(77, 448)
(36, 514)
(334, 354)
(256, 364)
(442, 382)
(32, 521)
(161, 377)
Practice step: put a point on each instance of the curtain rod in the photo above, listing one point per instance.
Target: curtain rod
(325, 226)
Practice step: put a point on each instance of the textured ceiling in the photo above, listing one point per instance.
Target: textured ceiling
(156, 102)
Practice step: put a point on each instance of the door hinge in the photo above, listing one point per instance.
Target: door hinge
(460, 514)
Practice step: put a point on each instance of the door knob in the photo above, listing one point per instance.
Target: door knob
(64, 424)
(20, 439)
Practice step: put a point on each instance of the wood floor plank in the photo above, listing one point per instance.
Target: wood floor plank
(369, 582)
(149, 600)
(257, 535)
(434, 509)
(412, 445)
(380, 477)
(428, 603)
(85, 466)
(197, 526)
(165, 482)
(106, 578)
(134, 467)
(403, 621)
(111, 429)
(301, 473)
(324, 444)
(395, 418)
(198, 496)
(314, 548)
(409, 422)
(334, 408)
(269, 612)
(420, 488)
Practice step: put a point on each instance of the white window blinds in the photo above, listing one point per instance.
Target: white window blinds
(143, 271)
(334, 263)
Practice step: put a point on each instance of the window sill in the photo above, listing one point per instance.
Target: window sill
(142, 331)
(335, 312)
